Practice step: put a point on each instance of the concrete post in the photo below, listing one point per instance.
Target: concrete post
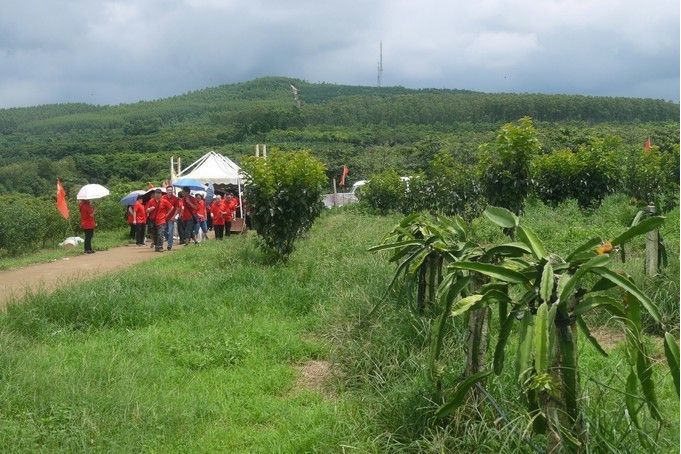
(652, 245)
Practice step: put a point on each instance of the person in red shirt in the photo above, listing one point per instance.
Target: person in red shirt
(200, 227)
(87, 223)
(159, 208)
(139, 220)
(218, 217)
(172, 217)
(229, 205)
(188, 215)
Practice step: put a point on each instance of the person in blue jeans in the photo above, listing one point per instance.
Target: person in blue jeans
(172, 217)
(200, 226)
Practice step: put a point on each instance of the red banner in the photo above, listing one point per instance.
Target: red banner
(62, 206)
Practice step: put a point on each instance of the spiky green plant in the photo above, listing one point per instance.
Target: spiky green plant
(555, 294)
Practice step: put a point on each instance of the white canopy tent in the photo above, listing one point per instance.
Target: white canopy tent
(214, 168)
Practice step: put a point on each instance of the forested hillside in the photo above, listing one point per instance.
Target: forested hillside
(367, 128)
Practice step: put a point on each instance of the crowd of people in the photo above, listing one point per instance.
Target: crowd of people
(157, 217)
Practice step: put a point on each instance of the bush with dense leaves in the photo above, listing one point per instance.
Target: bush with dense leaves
(454, 187)
(384, 192)
(28, 223)
(283, 194)
(505, 164)
(587, 175)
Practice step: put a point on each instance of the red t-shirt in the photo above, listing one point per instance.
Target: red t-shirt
(140, 212)
(216, 211)
(159, 214)
(163, 209)
(187, 211)
(201, 209)
(229, 206)
(175, 202)
(87, 215)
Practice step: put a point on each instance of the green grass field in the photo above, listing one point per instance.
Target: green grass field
(200, 351)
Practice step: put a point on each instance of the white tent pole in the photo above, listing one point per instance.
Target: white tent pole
(241, 202)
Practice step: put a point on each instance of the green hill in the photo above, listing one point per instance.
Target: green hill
(364, 127)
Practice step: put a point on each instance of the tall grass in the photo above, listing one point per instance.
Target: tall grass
(198, 351)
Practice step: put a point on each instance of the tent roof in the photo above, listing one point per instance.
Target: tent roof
(213, 168)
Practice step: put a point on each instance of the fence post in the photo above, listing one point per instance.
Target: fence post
(652, 245)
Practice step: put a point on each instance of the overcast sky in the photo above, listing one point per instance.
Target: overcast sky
(122, 51)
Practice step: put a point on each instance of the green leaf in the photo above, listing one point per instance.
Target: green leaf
(504, 332)
(464, 304)
(459, 394)
(551, 322)
(501, 217)
(527, 236)
(644, 370)
(626, 284)
(642, 227)
(449, 289)
(602, 285)
(570, 285)
(630, 398)
(541, 339)
(546, 285)
(671, 351)
(495, 271)
(599, 301)
(588, 246)
(585, 329)
(515, 249)
(525, 338)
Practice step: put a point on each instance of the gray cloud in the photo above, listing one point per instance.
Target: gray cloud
(123, 51)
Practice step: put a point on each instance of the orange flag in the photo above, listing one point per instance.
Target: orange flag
(647, 145)
(345, 173)
(62, 206)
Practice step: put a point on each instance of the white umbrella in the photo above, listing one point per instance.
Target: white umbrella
(92, 191)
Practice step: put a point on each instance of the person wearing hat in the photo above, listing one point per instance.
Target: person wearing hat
(159, 208)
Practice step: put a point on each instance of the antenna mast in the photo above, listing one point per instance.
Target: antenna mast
(379, 78)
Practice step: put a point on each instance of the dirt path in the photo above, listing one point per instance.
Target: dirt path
(49, 276)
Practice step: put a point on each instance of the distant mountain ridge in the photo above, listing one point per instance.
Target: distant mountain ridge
(276, 92)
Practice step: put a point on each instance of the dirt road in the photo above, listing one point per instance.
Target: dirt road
(49, 276)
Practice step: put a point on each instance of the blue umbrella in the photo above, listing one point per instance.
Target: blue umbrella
(210, 194)
(131, 198)
(193, 184)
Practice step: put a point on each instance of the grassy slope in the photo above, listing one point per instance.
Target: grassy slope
(198, 352)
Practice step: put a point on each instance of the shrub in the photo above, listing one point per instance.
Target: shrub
(652, 176)
(284, 197)
(600, 172)
(587, 175)
(28, 223)
(454, 187)
(555, 176)
(384, 192)
(418, 195)
(504, 165)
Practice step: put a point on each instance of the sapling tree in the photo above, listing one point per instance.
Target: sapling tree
(283, 193)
